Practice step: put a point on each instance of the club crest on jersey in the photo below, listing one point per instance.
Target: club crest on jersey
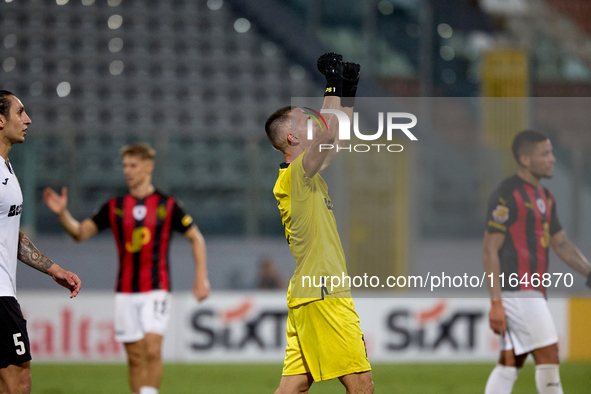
(501, 214)
(139, 212)
(541, 205)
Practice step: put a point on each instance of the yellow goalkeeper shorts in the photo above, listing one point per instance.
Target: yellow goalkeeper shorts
(324, 338)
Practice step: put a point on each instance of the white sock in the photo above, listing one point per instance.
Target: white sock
(501, 380)
(548, 379)
(148, 390)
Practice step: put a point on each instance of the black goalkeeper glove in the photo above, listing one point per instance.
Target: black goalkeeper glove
(331, 66)
(589, 281)
(350, 81)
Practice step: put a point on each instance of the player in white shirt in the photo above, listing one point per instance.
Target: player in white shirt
(15, 355)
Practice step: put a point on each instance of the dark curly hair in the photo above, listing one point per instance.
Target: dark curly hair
(5, 103)
(525, 141)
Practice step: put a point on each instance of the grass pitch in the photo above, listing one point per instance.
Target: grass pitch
(264, 378)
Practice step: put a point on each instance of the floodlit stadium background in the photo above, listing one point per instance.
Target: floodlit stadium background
(197, 79)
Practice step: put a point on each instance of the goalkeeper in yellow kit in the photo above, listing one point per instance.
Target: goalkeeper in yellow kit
(324, 339)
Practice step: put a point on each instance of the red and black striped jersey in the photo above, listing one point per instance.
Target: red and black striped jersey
(526, 214)
(142, 231)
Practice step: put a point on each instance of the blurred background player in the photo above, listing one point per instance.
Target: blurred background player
(141, 222)
(269, 276)
(15, 352)
(521, 225)
(324, 338)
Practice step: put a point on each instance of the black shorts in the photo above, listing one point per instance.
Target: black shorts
(14, 340)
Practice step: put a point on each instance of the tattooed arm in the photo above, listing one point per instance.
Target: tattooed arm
(571, 255)
(30, 255)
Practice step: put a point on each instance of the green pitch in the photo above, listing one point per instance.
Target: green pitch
(263, 378)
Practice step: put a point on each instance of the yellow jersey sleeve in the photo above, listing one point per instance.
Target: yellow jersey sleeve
(300, 184)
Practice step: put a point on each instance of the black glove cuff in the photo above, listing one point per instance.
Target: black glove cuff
(589, 281)
(349, 88)
(334, 86)
(349, 91)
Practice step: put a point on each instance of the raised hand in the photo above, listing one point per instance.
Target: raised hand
(351, 72)
(330, 63)
(350, 81)
(55, 202)
(331, 66)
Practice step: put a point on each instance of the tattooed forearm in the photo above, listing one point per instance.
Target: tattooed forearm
(28, 254)
(564, 246)
(573, 257)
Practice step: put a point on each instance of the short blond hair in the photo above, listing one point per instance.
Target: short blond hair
(143, 150)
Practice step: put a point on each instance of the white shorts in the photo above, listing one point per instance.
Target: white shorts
(139, 313)
(529, 322)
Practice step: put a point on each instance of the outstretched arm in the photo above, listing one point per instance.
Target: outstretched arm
(571, 255)
(58, 204)
(337, 143)
(492, 265)
(349, 85)
(315, 157)
(341, 86)
(201, 285)
(30, 255)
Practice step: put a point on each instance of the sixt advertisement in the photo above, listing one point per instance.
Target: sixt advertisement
(250, 327)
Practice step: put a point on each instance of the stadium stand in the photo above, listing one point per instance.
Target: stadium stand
(190, 77)
(197, 79)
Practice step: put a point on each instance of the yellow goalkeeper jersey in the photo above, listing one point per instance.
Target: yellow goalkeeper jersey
(311, 232)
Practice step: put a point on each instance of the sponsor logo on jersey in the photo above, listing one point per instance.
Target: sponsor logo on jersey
(15, 210)
(328, 203)
(5, 181)
(140, 237)
(501, 214)
(496, 225)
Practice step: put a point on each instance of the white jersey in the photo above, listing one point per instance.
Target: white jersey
(11, 204)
